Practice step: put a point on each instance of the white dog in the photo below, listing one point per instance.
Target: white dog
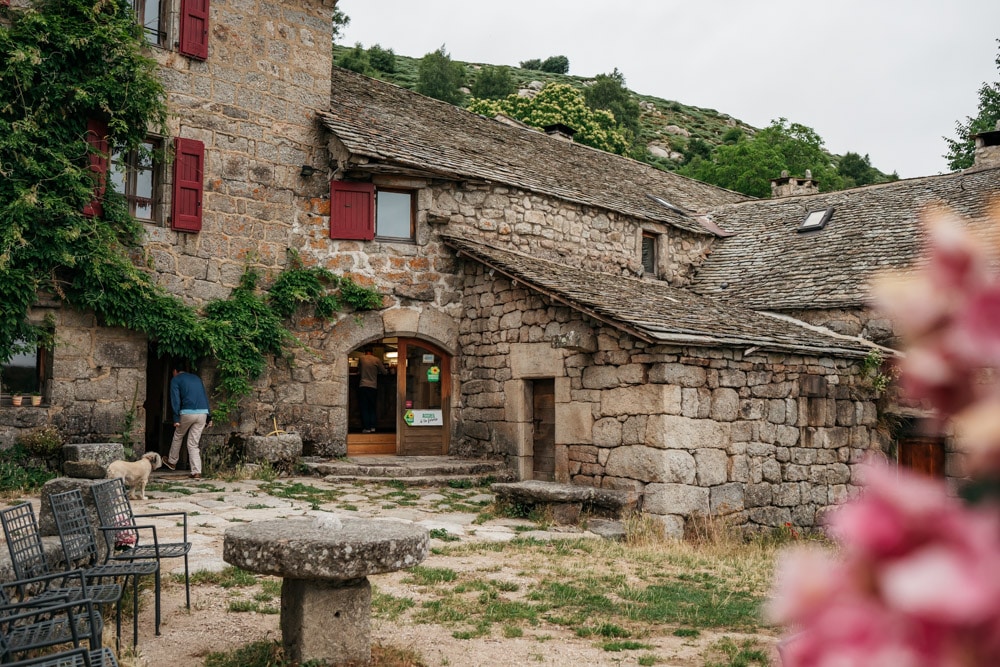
(135, 473)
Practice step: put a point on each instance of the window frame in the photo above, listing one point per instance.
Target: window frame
(130, 179)
(42, 373)
(139, 6)
(654, 254)
(413, 215)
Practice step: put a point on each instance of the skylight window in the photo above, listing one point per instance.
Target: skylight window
(663, 202)
(816, 220)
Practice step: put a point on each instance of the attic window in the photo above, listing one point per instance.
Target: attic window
(663, 202)
(816, 220)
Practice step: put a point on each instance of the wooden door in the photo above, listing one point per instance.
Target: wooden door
(543, 438)
(923, 454)
(423, 385)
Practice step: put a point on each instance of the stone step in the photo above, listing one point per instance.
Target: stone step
(457, 481)
(411, 470)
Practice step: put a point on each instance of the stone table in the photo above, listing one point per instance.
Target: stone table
(324, 563)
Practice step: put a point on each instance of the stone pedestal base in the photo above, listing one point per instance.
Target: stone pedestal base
(327, 621)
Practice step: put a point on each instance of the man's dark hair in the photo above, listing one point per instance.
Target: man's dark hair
(181, 366)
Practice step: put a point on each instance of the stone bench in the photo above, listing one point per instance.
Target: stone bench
(567, 501)
(324, 563)
(90, 460)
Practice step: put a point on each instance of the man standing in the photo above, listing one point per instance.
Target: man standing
(191, 415)
(371, 367)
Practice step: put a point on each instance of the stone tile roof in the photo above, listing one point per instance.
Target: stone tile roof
(768, 265)
(656, 312)
(384, 122)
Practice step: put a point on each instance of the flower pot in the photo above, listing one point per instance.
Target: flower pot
(15, 400)
(36, 400)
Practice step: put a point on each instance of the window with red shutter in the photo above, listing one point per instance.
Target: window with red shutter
(194, 29)
(189, 170)
(352, 215)
(97, 139)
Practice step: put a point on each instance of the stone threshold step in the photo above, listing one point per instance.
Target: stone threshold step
(457, 481)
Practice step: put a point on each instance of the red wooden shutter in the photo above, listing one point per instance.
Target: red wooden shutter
(352, 214)
(189, 169)
(97, 139)
(194, 28)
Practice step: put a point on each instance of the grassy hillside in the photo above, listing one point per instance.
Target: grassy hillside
(666, 127)
(657, 114)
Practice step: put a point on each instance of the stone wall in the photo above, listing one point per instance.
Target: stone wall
(767, 439)
(252, 103)
(98, 378)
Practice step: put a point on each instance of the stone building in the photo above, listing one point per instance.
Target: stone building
(584, 316)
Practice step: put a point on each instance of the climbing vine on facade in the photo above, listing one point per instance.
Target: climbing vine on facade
(64, 63)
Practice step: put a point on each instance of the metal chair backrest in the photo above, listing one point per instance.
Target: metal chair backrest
(114, 509)
(75, 531)
(24, 541)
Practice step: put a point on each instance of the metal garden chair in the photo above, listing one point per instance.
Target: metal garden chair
(24, 541)
(118, 523)
(30, 624)
(30, 628)
(80, 550)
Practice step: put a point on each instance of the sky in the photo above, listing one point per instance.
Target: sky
(886, 78)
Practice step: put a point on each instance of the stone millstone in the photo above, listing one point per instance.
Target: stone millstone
(328, 548)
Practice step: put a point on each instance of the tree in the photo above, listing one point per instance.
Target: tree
(355, 60)
(748, 165)
(555, 65)
(857, 170)
(440, 77)
(534, 63)
(609, 92)
(383, 60)
(340, 21)
(560, 103)
(493, 83)
(961, 150)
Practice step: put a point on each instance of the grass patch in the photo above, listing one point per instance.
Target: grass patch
(745, 654)
(230, 577)
(428, 576)
(443, 535)
(270, 654)
(300, 491)
(628, 645)
(389, 606)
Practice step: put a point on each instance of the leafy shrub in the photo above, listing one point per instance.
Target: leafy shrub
(21, 473)
(440, 77)
(356, 60)
(493, 83)
(534, 63)
(555, 65)
(45, 442)
(383, 60)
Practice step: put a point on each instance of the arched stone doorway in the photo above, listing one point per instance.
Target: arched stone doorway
(412, 399)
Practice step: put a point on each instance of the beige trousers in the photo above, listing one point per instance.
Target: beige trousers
(192, 426)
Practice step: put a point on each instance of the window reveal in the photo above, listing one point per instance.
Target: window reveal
(135, 176)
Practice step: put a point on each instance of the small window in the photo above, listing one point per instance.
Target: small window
(150, 16)
(136, 175)
(816, 220)
(394, 214)
(649, 253)
(26, 372)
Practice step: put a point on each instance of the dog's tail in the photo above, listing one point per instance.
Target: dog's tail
(154, 459)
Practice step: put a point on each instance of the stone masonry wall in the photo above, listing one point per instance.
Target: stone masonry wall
(98, 377)
(767, 439)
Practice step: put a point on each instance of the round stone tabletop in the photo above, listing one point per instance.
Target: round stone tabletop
(325, 547)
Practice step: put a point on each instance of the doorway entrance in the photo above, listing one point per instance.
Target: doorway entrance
(412, 397)
(543, 432)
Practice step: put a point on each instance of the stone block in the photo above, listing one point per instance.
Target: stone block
(726, 499)
(712, 466)
(600, 377)
(682, 499)
(607, 432)
(725, 405)
(574, 424)
(401, 321)
(776, 517)
(535, 360)
(677, 374)
(323, 620)
(648, 464)
(671, 525)
(84, 470)
(516, 403)
(281, 448)
(677, 432)
(647, 399)
(102, 453)
(47, 521)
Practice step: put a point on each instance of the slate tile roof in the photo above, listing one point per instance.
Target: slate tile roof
(388, 123)
(656, 312)
(768, 265)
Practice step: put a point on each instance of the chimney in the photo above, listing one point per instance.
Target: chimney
(987, 149)
(789, 186)
(560, 132)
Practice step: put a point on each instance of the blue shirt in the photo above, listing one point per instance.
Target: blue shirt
(187, 396)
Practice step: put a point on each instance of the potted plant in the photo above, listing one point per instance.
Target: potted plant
(36, 398)
(15, 399)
